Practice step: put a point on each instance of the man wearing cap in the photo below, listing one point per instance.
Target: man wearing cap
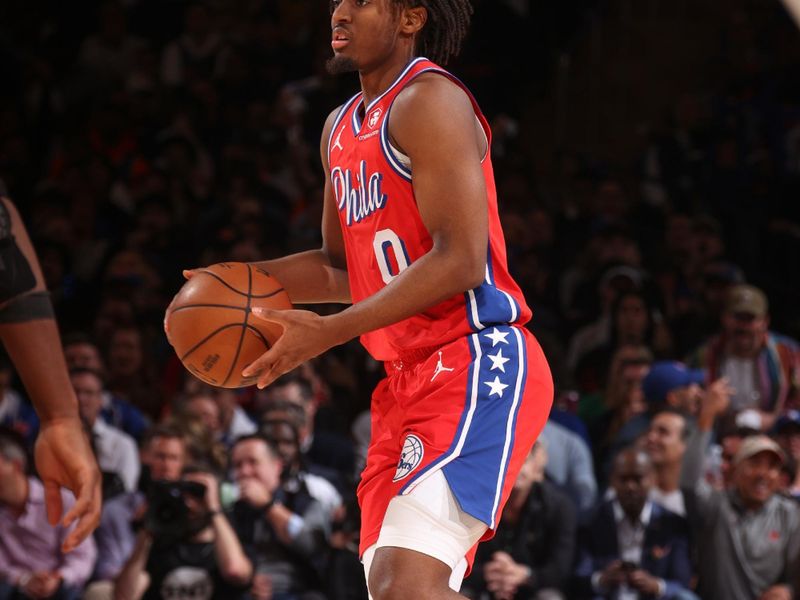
(763, 367)
(671, 385)
(748, 535)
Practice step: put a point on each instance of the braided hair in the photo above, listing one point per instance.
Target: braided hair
(445, 30)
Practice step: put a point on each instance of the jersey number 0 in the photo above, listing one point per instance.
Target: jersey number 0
(385, 239)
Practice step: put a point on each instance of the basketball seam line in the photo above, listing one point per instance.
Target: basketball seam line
(243, 325)
(187, 306)
(241, 293)
(208, 337)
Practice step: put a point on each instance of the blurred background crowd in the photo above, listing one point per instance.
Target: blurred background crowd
(646, 156)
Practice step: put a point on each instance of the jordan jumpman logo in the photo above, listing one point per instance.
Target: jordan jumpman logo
(440, 367)
(338, 142)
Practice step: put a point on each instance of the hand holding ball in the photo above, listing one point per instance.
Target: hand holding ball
(210, 323)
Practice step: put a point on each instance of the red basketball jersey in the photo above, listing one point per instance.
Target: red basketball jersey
(384, 233)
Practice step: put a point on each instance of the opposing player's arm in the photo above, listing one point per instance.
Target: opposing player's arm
(29, 333)
(27, 322)
(317, 275)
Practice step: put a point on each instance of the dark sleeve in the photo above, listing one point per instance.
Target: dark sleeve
(680, 564)
(561, 528)
(585, 564)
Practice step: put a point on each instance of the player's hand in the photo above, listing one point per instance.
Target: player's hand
(305, 335)
(65, 459)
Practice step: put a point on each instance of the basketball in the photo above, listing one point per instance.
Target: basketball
(210, 324)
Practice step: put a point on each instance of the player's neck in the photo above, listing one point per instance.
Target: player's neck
(376, 81)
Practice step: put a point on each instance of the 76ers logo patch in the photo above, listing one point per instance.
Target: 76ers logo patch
(410, 457)
(373, 117)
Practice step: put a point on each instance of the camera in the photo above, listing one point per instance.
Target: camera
(168, 516)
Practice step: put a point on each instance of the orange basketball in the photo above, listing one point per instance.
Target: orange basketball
(210, 324)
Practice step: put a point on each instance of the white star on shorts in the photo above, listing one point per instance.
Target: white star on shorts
(498, 361)
(498, 337)
(496, 386)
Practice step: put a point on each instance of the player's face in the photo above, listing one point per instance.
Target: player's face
(364, 33)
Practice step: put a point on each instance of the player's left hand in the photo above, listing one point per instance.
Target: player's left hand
(305, 335)
(65, 459)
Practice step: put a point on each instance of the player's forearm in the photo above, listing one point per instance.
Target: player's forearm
(35, 349)
(310, 278)
(435, 277)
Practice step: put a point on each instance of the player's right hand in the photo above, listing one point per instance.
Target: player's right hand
(65, 459)
(188, 273)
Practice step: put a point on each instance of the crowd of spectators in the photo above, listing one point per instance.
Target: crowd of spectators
(142, 137)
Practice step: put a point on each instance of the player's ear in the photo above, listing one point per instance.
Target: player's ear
(412, 20)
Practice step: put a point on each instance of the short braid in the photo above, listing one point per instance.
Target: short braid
(447, 26)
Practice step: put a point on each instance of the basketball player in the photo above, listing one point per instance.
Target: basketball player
(411, 236)
(28, 331)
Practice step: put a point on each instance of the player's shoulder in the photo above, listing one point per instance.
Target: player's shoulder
(431, 101)
(430, 89)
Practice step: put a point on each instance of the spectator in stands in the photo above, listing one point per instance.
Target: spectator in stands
(324, 448)
(233, 419)
(616, 280)
(668, 384)
(748, 535)
(569, 465)
(665, 444)
(32, 564)
(202, 407)
(532, 551)
(187, 547)
(763, 367)
(164, 455)
(787, 434)
(633, 547)
(116, 451)
(81, 352)
(635, 320)
(297, 481)
(130, 372)
(283, 543)
(608, 411)
(15, 412)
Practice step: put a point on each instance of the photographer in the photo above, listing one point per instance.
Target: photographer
(634, 548)
(187, 548)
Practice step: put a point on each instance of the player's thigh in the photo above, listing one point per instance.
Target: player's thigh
(423, 532)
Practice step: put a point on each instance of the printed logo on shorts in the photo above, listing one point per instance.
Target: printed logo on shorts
(410, 457)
